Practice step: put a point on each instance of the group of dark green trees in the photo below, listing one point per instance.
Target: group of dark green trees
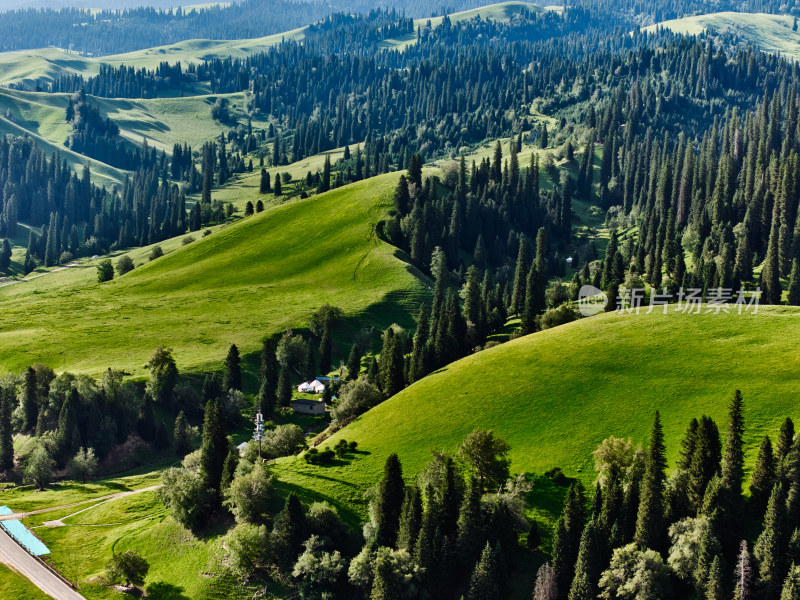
(649, 535)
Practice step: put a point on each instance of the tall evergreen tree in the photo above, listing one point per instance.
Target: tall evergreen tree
(763, 478)
(794, 284)
(30, 400)
(284, 388)
(485, 581)
(353, 363)
(182, 436)
(770, 272)
(410, 520)
(785, 440)
(770, 549)
(650, 526)
(743, 575)
(233, 370)
(6, 431)
(733, 458)
(389, 503)
(289, 532)
(546, 588)
(520, 277)
(326, 347)
(214, 448)
(589, 565)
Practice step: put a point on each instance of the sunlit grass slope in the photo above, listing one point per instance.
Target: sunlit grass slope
(46, 65)
(555, 395)
(502, 11)
(771, 33)
(161, 121)
(250, 279)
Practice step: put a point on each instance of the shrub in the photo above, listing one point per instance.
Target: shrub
(206, 232)
(156, 252)
(66, 257)
(357, 397)
(558, 316)
(128, 567)
(283, 440)
(105, 271)
(187, 240)
(124, 265)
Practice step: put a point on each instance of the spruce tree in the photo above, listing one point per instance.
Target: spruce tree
(233, 370)
(389, 503)
(284, 388)
(182, 436)
(410, 520)
(289, 532)
(715, 587)
(325, 348)
(770, 549)
(485, 582)
(733, 471)
(391, 375)
(763, 478)
(147, 421)
(353, 363)
(770, 272)
(785, 440)
(794, 284)
(265, 186)
(791, 586)
(566, 540)
(470, 534)
(6, 430)
(214, 448)
(589, 565)
(546, 588)
(520, 277)
(650, 526)
(30, 400)
(743, 574)
(229, 469)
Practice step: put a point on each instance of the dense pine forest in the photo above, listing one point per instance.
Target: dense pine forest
(572, 148)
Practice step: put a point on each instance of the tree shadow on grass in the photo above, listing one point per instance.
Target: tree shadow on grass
(165, 591)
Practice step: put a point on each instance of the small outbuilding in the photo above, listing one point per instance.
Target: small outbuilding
(242, 447)
(308, 407)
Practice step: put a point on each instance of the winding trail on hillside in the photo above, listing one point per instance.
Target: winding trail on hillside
(32, 277)
(34, 569)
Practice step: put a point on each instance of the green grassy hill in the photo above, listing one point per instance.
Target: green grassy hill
(161, 121)
(250, 279)
(502, 11)
(556, 394)
(771, 33)
(45, 65)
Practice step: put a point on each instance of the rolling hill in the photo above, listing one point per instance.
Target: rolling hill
(27, 67)
(250, 279)
(556, 394)
(771, 33)
(45, 65)
(161, 121)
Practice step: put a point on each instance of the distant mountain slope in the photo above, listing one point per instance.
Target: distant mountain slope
(771, 33)
(502, 11)
(555, 395)
(45, 65)
(163, 122)
(251, 279)
(27, 67)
